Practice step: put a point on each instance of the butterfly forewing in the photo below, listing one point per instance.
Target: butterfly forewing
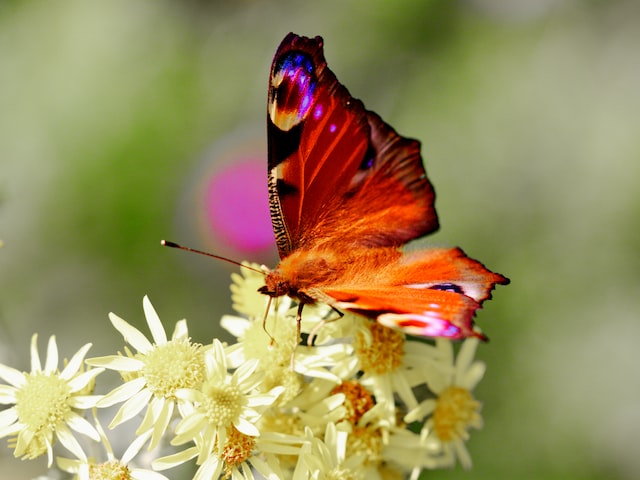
(336, 170)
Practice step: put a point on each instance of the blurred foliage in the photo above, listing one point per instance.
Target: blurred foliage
(528, 114)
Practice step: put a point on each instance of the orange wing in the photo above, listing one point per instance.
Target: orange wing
(431, 293)
(337, 172)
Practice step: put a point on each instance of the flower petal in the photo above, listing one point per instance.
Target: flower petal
(51, 363)
(81, 425)
(246, 427)
(82, 380)
(131, 407)
(116, 362)
(123, 392)
(36, 366)
(153, 320)
(174, 460)
(12, 376)
(135, 447)
(131, 335)
(7, 417)
(69, 441)
(75, 363)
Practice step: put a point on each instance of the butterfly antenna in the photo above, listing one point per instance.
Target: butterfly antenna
(167, 243)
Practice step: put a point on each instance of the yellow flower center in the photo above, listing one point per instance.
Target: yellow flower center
(174, 365)
(456, 411)
(112, 470)
(43, 402)
(223, 403)
(366, 440)
(237, 450)
(358, 400)
(384, 353)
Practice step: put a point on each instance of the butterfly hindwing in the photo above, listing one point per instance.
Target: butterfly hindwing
(429, 293)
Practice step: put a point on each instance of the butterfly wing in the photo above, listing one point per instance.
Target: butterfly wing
(431, 293)
(338, 174)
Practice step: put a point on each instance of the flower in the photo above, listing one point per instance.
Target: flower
(154, 374)
(454, 410)
(391, 364)
(46, 403)
(111, 468)
(327, 460)
(221, 419)
(272, 342)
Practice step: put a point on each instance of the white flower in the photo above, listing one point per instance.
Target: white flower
(454, 410)
(327, 460)
(221, 418)
(155, 373)
(46, 403)
(91, 469)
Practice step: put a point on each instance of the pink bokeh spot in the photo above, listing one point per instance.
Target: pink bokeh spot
(237, 205)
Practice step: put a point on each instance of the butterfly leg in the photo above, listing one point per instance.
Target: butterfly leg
(298, 333)
(314, 331)
(264, 322)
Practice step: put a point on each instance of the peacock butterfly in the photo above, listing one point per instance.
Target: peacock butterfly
(345, 193)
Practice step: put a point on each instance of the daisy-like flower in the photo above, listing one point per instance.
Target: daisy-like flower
(154, 373)
(111, 468)
(391, 363)
(46, 402)
(327, 460)
(221, 419)
(274, 344)
(454, 410)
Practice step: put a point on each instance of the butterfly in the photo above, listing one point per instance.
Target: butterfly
(345, 193)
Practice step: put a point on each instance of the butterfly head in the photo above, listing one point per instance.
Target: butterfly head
(275, 285)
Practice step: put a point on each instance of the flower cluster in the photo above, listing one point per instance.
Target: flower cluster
(353, 400)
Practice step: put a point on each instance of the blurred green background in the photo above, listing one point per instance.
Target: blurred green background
(529, 114)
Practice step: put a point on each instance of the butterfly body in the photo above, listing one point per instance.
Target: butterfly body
(346, 193)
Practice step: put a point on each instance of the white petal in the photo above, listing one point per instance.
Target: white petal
(7, 417)
(153, 320)
(81, 425)
(210, 469)
(465, 356)
(11, 429)
(404, 391)
(426, 407)
(84, 402)
(131, 407)
(116, 362)
(141, 474)
(70, 443)
(36, 366)
(472, 376)
(82, 380)
(135, 447)
(123, 392)
(131, 335)
(248, 428)
(161, 424)
(180, 331)
(75, 363)
(51, 363)
(236, 326)
(12, 376)
(244, 372)
(174, 460)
